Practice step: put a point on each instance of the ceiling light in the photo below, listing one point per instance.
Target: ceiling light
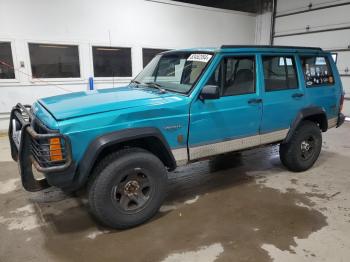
(54, 46)
(107, 49)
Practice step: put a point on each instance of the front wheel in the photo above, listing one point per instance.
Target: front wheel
(303, 149)
(128, 189)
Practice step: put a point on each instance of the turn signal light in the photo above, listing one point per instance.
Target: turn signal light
(55, 149)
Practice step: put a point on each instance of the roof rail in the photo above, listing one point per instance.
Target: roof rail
(271, 46)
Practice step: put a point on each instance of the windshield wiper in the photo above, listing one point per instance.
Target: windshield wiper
(135, 82)
(156, 85)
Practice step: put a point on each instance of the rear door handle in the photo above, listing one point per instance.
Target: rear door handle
(297, 95)
(255, 101)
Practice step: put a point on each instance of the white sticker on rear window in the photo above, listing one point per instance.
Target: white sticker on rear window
(199, 58)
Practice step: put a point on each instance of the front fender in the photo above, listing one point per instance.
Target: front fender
(97, 146)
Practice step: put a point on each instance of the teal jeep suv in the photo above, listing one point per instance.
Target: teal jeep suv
(186, 105)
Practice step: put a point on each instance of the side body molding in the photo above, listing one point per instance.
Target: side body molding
(114, 138)
(308, 113)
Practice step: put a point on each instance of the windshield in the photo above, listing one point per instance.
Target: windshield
(174, 71)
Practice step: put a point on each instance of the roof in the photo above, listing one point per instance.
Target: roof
(296, 48)
(253, 48)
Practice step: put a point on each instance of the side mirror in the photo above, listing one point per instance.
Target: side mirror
(210, 92)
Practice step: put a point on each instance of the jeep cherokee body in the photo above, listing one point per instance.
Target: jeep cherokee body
(186, 105)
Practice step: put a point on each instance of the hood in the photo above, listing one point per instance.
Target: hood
(92, 102)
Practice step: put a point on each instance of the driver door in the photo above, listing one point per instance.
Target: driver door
(231, 122)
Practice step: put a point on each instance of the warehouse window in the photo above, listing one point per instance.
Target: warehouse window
(279, 73)
(6, 61)
(54, 61)
(149, 53)
(111, 61)
(317, 71)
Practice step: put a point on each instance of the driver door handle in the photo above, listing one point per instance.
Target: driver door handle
(255, 101)
(297, 95)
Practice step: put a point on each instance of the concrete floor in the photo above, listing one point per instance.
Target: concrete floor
(240, 207)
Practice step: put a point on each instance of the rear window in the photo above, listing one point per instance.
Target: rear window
(317, 71)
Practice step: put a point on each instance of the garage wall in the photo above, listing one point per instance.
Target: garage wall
(263, 28)
(134, 23)
(321, 23)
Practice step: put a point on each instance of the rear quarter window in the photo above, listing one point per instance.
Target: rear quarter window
(317, 71)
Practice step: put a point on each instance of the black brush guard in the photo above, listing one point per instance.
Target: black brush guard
(30, 148)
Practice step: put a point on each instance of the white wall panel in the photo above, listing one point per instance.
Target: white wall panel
(317, 20)
(346, 85)
(133, 21)
(326, 40)
(287, 6)
(343, 62)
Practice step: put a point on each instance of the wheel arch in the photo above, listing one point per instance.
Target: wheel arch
(314, 114)
(148, 138)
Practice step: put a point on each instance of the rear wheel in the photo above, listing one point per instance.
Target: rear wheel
(128, 189)
(303, 149)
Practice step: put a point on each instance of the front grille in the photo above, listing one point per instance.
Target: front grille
(38, 126)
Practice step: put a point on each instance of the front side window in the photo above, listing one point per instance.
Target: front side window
(174, 71)
(54, 61)
(112, 61)
(317, 71)
(149, 53)
(238, 73)
(6, 61)
(279, 73)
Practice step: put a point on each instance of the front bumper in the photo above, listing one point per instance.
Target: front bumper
(31, 148)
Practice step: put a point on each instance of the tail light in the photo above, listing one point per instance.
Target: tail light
(341, 103)
(55, 149)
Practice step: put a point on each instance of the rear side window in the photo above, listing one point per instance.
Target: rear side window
(279, 73)
(317, 71)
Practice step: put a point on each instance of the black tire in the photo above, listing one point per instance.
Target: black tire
(127, 188)
(303, 149)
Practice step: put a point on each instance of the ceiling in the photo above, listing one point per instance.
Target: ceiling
(252, 6)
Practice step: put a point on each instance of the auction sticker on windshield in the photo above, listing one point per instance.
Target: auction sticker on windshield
(199, 58)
